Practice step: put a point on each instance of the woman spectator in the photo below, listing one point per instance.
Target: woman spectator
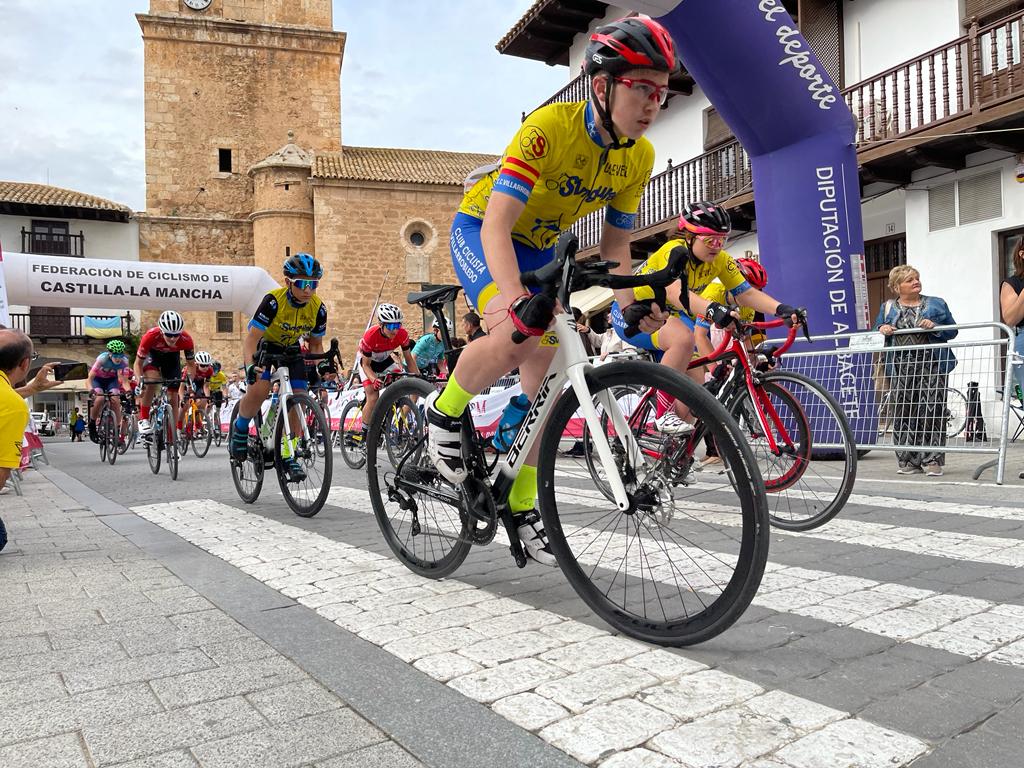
(1011, 304)
(917, 377)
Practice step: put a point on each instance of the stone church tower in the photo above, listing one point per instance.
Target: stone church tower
(245, 165)
(225, 80)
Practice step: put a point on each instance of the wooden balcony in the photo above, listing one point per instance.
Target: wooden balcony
(50, 243)
(56, 324)
(930, 111)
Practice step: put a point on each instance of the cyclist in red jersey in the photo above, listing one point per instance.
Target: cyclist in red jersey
(375, 350)
(159, 357)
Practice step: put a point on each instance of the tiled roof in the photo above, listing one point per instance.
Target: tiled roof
(415, 166)
(531, 13)
(43, 194)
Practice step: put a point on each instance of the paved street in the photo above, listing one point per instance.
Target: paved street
(166, 623)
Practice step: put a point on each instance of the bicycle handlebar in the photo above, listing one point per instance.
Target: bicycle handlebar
(264, 356)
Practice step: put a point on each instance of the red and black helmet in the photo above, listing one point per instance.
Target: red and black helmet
(637, 42)
(703, 218)
(756, 274)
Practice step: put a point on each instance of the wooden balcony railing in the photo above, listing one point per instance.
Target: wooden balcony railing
(52, 243)
(980, 70)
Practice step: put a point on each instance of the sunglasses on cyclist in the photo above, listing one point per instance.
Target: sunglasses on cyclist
(713, 242)
(305, 285)
(392, 326)
(171, 335)
(645, 88)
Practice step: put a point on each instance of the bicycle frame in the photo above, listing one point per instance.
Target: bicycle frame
(284, 394)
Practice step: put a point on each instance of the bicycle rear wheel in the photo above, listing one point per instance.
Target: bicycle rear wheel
(306, 497)
(421, 515)
(213, 424)
(247, 475)
(825, 483)
(683, 562)
(351, 428)
(109, 435)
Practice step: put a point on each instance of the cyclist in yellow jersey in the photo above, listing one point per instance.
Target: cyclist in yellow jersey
(282, 318)
(566, 160)
(703, 229)
(757, 276)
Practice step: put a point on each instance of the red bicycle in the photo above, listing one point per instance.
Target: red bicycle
(797, 431)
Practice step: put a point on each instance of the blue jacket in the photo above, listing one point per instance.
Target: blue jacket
(932, 308)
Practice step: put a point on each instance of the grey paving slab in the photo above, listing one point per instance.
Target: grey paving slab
(386, 755)
(292, 701)
(977, 749)
(222, 682)
(64, 751)
(935, 714)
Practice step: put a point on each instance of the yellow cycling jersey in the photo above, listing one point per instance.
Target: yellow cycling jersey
(218, 381)
(283, 322)
(557, 165)
(698, 277)
(12, 426)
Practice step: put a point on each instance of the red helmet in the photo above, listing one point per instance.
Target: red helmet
(637, 42)
(703, 218)
(756, 275)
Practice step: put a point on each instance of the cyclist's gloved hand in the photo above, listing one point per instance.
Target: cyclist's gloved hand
(138, 390)
(250, 374)
(377, 384)
(635, 313)
(719, 314)
(786, 312)
(325, 367)
(531, 315)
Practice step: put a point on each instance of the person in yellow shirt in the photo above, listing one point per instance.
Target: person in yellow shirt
(15, 359)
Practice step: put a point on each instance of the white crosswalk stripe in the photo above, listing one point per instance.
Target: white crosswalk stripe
(584, 690)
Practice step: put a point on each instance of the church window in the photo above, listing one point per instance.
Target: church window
(224, 158)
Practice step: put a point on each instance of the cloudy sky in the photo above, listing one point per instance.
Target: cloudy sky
(416, 74)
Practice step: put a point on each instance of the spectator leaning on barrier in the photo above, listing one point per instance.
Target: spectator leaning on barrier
(917, 377)
(15, 359)
(1011, 304)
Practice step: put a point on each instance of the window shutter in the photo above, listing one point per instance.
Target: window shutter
(989, 10)
(981, 197)
(716, 132)
(942, 207)
(820, 24)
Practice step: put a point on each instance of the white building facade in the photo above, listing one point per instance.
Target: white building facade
(937, 90)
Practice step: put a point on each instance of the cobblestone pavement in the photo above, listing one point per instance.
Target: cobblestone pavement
(893, 636)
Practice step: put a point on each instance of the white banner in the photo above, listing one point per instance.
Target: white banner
(59, 281)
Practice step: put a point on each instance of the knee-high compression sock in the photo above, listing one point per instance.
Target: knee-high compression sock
(664, 402)
(523, 496)
(454, 400)
(143, 411)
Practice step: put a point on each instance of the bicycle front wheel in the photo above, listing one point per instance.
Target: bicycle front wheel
(155, 446)
(173, 452)
(213, 424)
(306, 492)
(353, 451)
(102, 435)
(403, 431)
(956, 412)
(421, 515)
(202, 436)
(808, 482)
(109, 435)
(684, 560)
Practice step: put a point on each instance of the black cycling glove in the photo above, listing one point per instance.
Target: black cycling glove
(786, 312)
(250, 374)
(531, 315)
(719, 314)
(634, 313)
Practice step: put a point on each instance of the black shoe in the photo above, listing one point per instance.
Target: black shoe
(576, 451)
(3, 535)
(239, 448)
(293, 470)
(93, 432)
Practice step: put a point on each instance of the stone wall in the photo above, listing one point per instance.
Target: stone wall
(362, 234)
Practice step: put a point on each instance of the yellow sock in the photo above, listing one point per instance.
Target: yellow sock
(523, 496)
(454, 400)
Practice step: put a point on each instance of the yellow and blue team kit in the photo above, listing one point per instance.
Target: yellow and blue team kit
(284, 322)
(698, 277)
(558, 166)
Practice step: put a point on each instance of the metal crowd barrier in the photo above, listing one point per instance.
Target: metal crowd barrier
(897, 399)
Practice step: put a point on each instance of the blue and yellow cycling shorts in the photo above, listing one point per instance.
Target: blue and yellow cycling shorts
(648, 341)
(471, 266)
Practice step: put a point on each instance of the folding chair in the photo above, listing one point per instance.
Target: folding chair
(1016, 412)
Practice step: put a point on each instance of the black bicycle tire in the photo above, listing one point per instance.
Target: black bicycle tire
(155, 449)
(733, 406)
(101, 438)
(753, 555)
(173, 453)
(431, 569)
(849, 453)
(301, 399)
(109, 434)
(247, 496)
(360, 461)
(207, 440)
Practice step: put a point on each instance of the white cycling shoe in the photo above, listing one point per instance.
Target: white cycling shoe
(535, 541)
(145, 428)
(670, 424)
(444, 442)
